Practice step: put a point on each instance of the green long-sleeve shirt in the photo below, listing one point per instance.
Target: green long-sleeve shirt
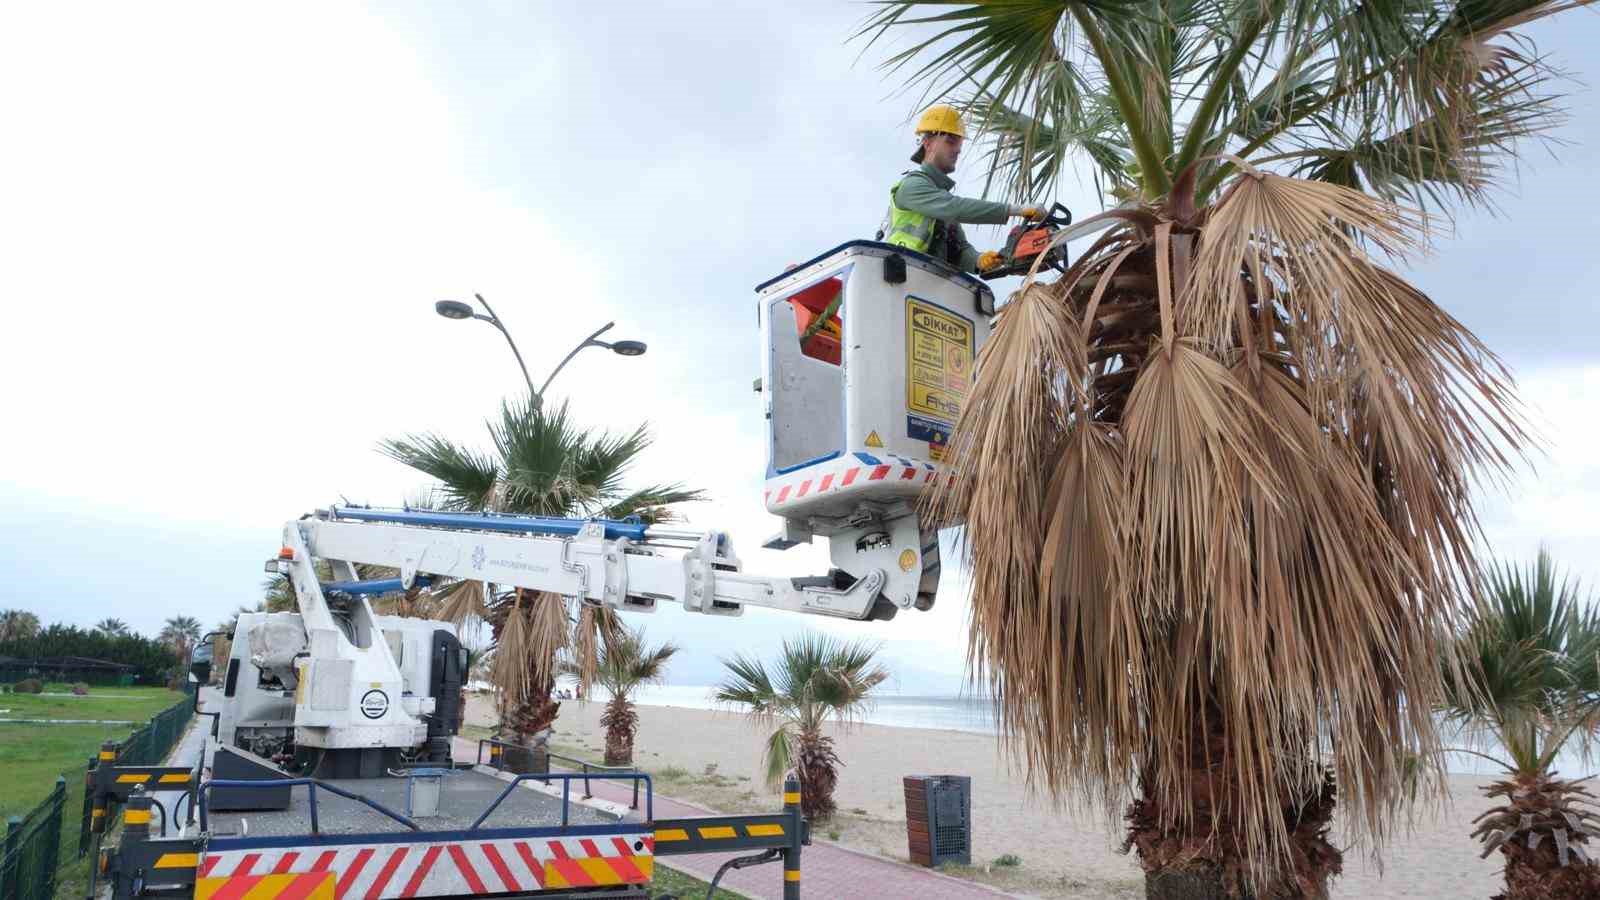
(926, 190)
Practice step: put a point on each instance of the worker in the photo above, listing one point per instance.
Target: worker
(924, 216)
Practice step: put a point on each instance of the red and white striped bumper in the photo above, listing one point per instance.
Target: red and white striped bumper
(432, 868)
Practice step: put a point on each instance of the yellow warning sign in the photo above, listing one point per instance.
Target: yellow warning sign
(938, 361)
(873, 440)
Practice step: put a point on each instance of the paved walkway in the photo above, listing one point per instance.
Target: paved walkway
(827, 870)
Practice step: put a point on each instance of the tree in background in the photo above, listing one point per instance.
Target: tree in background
(181, 633)
(17, 625)
(1258, 443)
(111, 627)
(1529, 682)
(152, 660)
(625, 663)
(542, 463)
(816, 678)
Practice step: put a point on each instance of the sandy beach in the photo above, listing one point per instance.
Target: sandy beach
(712, 758)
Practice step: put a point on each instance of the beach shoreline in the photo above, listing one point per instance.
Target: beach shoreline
(711, 758)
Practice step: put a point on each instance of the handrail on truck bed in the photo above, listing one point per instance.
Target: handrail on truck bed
(312, 784)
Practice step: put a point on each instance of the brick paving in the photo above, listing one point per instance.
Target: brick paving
(827, 871)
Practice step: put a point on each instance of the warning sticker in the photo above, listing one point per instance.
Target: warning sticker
(938, 361)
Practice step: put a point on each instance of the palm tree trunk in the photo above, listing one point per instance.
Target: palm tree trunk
(1196, 860)
(816, 764)
(528, 726)
(621, 723)
(1540, 830)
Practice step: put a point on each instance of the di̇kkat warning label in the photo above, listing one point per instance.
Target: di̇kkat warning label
(938, 369)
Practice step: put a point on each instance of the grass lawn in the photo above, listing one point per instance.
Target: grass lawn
(31, 756)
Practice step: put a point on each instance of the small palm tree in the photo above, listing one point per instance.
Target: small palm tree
(1529, 683)
(816, 678)
(625, 663)
(543, 463)
(181, 633)
(18, 625)
(111, 627)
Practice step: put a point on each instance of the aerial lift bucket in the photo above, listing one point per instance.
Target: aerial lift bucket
(869, 358)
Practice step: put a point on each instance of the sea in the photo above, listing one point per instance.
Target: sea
(976, 714)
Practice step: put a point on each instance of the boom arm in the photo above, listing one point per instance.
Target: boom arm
(623, 565)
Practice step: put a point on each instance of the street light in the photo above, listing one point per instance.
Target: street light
(621, 348)
(455, 309)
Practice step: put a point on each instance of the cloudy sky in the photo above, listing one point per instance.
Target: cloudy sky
(224, 229)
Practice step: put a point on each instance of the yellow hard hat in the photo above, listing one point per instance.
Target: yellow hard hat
(941, 118)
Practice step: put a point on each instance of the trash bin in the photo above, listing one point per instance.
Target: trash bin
(939, 819)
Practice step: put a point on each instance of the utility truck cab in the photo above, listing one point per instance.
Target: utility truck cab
(869, 358)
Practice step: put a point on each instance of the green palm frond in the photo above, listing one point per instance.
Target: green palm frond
(1414, 99)
(777, 754)
(467, 478)
(652, 504)
(1530, 653)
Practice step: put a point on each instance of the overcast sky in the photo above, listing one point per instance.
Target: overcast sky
(224, 229)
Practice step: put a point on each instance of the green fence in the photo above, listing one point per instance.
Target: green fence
(31, 852)
(146, 747)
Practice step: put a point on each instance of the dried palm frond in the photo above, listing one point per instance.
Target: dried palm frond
(1258, 446)
(462, 602)
(548, 636)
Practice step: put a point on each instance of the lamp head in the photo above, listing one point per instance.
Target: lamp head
(453, 309)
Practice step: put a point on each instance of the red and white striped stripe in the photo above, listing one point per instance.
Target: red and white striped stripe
(849, 476)
(441, 868)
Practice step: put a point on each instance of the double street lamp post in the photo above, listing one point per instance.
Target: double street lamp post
(455, 309)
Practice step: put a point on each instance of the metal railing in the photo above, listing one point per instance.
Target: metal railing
(311, 783)
(28, 858)
(566, 779)
(588, 793)
(497, 756)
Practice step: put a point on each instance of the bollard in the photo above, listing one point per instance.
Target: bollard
(791, 853)
(101, 778)
(136, 818)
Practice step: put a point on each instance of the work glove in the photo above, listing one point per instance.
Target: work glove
(1028, 212)
(987, 260)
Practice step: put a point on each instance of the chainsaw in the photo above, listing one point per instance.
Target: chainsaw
(1030, 239)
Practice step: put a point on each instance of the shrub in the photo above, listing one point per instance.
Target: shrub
(29, 686)
(1007, 861)
(80, 689)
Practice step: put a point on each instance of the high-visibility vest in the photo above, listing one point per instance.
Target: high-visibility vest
(911, 230)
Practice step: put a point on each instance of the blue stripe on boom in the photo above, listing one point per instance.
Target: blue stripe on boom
(379, 586)
(867, 458)
(633, 531)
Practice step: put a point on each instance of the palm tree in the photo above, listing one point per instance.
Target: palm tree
(625, 663)
(1258, 443)
(18, 625)
(180, 633)
(1530, 653)
(816, 678)
(111, 627)
(543, 463)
